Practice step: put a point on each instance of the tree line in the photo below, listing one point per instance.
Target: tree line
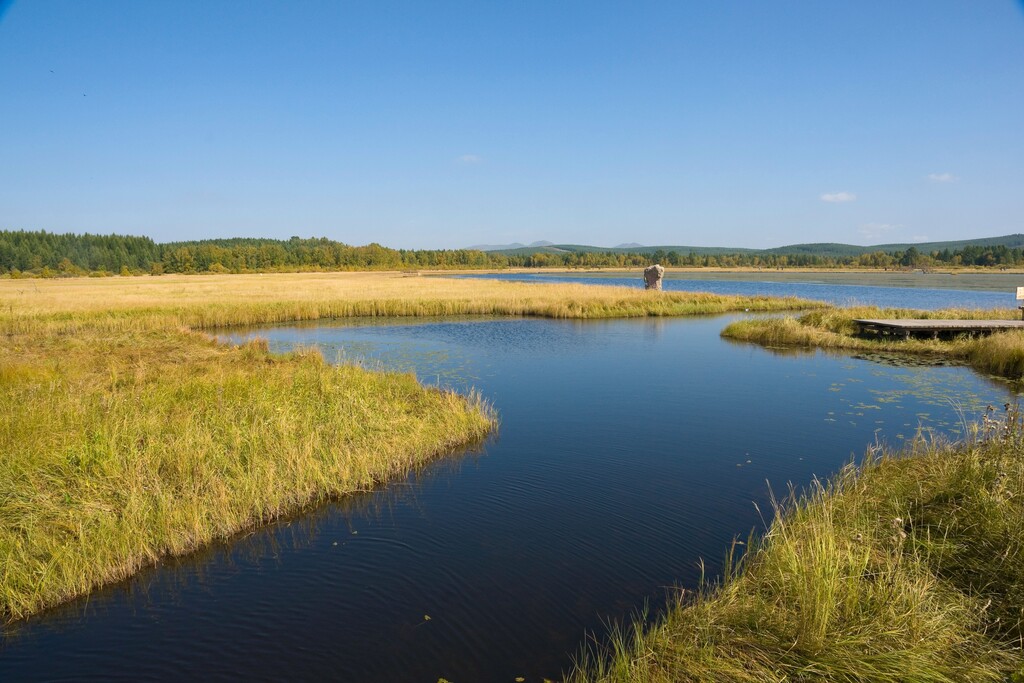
(51, 254)
(48, 254)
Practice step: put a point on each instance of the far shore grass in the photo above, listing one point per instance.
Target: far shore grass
(127, 434)
(203, 301)
(1001, 353)
(909, 567)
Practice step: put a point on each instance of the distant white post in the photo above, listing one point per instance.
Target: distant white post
(1020, 297)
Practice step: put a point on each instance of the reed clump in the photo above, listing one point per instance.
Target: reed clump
(1001, 353)
(909, 567)
(127, 435)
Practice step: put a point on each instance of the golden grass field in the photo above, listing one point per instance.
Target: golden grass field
(212, 300)
(127, 434)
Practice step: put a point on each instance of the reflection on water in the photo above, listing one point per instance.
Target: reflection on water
(628, 451)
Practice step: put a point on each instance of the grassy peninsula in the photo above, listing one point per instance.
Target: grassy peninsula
(127, 434)
(909, 567)
(833, 328)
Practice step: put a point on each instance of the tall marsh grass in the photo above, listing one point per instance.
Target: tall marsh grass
(155, 445)
(909, 567)
(127, 435)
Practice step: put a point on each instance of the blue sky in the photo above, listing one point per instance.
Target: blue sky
(446, 124)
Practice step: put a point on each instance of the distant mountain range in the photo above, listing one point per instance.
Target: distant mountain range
(832, 249)
(510, 247)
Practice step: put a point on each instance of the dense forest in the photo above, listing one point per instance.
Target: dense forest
(50, 254)
(40, 253)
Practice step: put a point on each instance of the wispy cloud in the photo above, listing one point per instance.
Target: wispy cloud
(468, 159)
(942, 177)
(875, 230)
(838, 197)
(919, 238)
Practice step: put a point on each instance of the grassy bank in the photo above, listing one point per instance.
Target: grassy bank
(119, 449)
(127, 434)
(202, 301)
(908, 568)
(833, 328)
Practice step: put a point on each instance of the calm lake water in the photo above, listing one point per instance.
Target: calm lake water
(917, 290)
(628, 450)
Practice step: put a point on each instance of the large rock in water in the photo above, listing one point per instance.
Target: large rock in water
(652, 277)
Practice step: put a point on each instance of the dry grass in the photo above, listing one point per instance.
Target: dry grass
(126, 435)
(202, 301)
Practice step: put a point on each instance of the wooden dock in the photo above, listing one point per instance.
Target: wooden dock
(935, 328)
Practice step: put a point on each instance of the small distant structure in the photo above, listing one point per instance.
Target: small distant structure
(652, 277)
(1020, 297)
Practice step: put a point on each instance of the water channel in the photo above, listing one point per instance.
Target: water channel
(628, 451)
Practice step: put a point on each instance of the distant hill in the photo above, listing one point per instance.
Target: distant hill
(1015, 241)
(510, 247)
(823, 249)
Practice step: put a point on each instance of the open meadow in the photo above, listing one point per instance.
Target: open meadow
(213, 300)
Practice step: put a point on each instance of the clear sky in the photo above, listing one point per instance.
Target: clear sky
(445, 124)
